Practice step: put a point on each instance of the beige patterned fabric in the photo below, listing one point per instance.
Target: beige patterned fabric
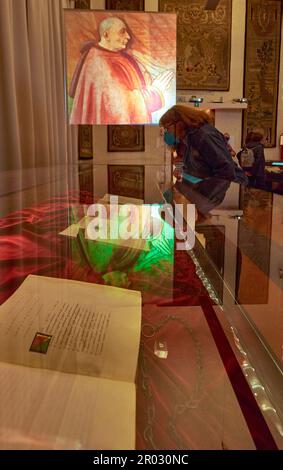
(203, 43)
(262, 66)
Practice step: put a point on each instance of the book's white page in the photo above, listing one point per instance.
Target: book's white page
(43, 409)
(136, 242)
(72, 326)
(121, 199)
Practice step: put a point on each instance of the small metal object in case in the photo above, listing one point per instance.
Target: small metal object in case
(240, 100)
(196, 100)
(160, 349)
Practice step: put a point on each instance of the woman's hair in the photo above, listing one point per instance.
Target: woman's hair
(255, 135)
(192, 118)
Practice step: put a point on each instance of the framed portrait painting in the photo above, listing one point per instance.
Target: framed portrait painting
(119, 79)
(125, 138)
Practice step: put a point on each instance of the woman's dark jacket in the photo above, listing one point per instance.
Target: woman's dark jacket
(206, 154)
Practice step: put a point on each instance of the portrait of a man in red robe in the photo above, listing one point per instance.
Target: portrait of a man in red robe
(121, 69)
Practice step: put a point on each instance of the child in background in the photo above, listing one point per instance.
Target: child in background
(251, 158)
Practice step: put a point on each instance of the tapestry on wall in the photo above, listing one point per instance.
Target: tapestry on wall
(262, 56)
(203, 44)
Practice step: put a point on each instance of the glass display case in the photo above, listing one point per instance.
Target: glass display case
(274, 176)
(238, 257)
(209, 370)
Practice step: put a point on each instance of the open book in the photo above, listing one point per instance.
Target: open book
(121, 199)
(69, 354)
(82, 223)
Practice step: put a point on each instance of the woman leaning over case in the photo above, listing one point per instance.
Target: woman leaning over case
(203, 148)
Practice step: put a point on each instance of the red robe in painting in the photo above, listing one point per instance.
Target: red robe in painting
(110, 88)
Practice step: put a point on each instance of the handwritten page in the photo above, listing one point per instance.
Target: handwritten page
(73, 327)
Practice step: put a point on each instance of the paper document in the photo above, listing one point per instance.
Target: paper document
(68, 353)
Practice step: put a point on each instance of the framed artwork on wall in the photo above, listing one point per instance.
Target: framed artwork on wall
(133, 5)
(203, 43)
(125, 138)
(82, 4)
(85, 142)
(126, 180)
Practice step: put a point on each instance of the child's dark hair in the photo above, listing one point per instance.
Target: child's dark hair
(254, 136)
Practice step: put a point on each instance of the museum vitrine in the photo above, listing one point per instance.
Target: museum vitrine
(209, 335)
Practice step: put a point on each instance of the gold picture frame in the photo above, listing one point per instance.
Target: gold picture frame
(125, 138)
(130, 5)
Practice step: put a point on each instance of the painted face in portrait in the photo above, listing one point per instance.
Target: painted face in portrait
(118, 36)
